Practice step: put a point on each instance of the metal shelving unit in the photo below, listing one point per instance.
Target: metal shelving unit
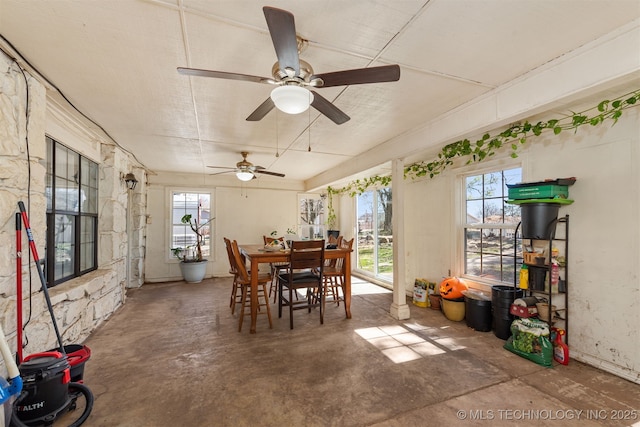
(560, 316)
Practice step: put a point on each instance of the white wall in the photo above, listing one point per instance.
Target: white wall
(604, 254)
(243, 213)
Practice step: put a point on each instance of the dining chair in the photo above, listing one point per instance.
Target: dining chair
(305, 269)
(236, 289)
(275, 268)
(334, 276)
(334, 241)
(244, 280)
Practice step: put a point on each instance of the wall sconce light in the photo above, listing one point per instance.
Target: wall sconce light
(130, 180)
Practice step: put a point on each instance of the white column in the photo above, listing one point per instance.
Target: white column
(399, 308)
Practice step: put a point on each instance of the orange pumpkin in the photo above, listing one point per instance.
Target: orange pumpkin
(452, 287)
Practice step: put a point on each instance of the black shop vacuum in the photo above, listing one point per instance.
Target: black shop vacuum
(53, 389)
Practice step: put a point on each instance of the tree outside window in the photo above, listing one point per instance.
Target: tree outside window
(374, 247)
(311, 217)
(490, 223)
(198, 205)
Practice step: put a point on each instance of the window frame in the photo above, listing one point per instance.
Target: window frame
(85, 213)
(170, 209)
(316, 228)
(385, 277)
(463, 224)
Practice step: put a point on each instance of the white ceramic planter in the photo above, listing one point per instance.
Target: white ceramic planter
(193, 272)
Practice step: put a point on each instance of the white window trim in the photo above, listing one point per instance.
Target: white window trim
(459, 209)
(169, 224)
(377, 278)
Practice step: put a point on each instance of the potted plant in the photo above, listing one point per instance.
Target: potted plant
(192, 264)
(332, 220)
(289, 236)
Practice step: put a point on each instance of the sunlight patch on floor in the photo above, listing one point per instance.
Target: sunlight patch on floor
(401, 354)
(410, 342)
(362, 287)
(450, 343)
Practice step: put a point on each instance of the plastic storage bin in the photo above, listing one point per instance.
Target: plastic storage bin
(538, 191)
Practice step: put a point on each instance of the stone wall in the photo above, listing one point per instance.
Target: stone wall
(80, 305)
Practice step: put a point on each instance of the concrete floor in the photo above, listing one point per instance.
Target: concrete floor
(172, 356)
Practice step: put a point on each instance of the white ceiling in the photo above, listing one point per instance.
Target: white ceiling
(116, 62)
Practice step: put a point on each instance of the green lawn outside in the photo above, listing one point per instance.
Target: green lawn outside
(385, 258)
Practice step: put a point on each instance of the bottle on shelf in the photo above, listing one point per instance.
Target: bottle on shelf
(524, 277)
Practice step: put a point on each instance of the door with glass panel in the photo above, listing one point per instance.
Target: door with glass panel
(374, 245)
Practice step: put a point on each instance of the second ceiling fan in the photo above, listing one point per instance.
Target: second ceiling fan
(293, 76)
(245, 170)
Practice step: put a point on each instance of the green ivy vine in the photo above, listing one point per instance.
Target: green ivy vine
(359, 186)
(513, 137)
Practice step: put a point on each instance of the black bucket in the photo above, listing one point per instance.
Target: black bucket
(478, 314)
(501, 299)
(503, 296)
(539, 220)
(45, 379)
(502, 326)
(537, 277)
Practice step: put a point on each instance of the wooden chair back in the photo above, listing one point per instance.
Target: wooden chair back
(307, 254)
(232, 267)
(344, 244)
(243, 275)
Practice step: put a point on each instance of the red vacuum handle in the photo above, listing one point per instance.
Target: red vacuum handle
(32, 243)
(43, 281)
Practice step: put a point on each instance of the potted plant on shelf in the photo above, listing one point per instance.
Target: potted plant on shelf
(192, 264)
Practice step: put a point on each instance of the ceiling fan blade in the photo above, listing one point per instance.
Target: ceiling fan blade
(220, 173)
(223, 75)
(385, 73)
(261, 111)
(264, 172)
(328, 109)
(220, 167)
(283, 34)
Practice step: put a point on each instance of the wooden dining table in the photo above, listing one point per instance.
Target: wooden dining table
(256, 255)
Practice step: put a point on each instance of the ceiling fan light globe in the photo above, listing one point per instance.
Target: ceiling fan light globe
(244, 175)
(291, 99)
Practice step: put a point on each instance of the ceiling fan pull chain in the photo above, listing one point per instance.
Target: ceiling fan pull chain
(277, 153)
(309, 149)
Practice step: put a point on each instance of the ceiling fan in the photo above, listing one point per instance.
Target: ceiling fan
(293, 76)
(245, 170)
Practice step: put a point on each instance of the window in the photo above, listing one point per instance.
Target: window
(374, 247)
(198, 205)
(72, 214)
(490, 223)
(311, 216)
